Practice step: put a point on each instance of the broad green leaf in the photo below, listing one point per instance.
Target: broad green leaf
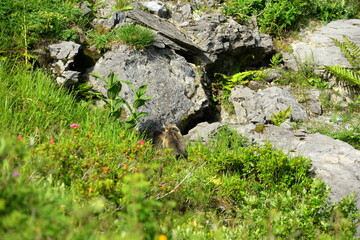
(112, 78)
(115, 115)
(114, 90)
(97, 75)
(140, 114)
(130, 123)
(138, 103)
(118, 103)
(142, 90)
(147, 98)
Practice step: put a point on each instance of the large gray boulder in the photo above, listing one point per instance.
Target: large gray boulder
(183, 58)
(335, 162)
(258, 106)
(174, 84)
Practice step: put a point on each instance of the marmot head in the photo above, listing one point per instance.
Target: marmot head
(172, 128)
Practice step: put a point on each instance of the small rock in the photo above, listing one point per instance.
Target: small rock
(157, 7)
(64, 50)
(259, 106)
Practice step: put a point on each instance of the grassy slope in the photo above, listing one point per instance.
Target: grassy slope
(98, 181)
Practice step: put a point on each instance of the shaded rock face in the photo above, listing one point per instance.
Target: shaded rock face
(174, 84)
(257, 106)
(212, 40)
(227, 43)
(335, 162)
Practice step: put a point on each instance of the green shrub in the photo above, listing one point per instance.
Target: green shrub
(28, 212)
(304, 76)
(329, 10)
(135, 35)
(277, 18)
(270, 193)
(86, 162)
(130, 34)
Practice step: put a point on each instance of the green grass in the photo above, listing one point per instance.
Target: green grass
(25, 23)
(33, 106)
(135, 35)
(130, 34)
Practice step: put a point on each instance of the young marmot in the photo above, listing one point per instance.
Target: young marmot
(170, 138)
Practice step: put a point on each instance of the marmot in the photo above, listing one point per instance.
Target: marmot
(170, 137)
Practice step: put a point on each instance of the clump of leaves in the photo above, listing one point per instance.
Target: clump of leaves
(317, 82)
(225, 83)
(276, 60)
(88, 163)
(140, 211)
(115, 101)
(100, 38)
(305, 75)
(281, 116)
(135, 35)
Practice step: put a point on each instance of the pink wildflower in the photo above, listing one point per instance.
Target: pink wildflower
(134, 144)
(74, 125)
(51, 141)
(141, 142)
(19, 137)
(16, 174)
(163, 185)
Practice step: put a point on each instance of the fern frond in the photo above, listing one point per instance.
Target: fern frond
(345, 74)
(350, 50)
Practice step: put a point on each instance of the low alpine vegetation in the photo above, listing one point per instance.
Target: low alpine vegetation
(135, 35)
(279, 17)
